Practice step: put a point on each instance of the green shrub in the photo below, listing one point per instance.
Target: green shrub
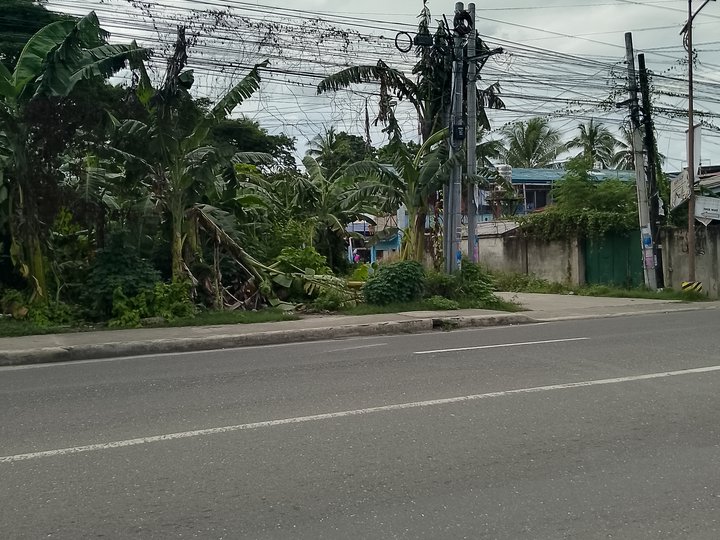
(334, 300)
(54, 313)
(471, 285)
(442, 303)
(475, 284)
(167, 300)
(293, 260)
(361, 272)
(172, 300)
(398, 282)
(14, 302)
(441, 284)
(116, 267)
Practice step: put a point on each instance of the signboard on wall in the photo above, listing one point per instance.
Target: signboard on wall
(707, 207)
(679, 190)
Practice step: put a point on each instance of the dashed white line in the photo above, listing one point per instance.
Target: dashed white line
(343, 414)
(368, 346)
(503, 345)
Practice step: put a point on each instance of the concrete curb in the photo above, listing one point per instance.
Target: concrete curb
(210, 343)
(623, 314)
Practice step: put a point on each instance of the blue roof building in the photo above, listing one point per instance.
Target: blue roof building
(534, 185)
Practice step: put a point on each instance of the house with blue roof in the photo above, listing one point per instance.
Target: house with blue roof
(534, 186)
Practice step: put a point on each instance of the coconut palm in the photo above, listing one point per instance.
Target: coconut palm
(530, 144)
(597, 143)
(323, 148)
(624, 158)
(487, 149)
(51, 64)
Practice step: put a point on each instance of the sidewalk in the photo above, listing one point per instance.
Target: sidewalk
(145, 341)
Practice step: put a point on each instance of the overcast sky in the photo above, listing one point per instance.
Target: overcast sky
(563, 57)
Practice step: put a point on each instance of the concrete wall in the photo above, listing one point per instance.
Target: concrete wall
(556, 261)
(707, 258)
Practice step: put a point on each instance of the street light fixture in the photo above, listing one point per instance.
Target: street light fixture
(687, 30)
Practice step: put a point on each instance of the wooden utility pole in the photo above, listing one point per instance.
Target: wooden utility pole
(641, 180)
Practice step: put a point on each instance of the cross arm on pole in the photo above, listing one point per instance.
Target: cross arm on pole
(692, 17)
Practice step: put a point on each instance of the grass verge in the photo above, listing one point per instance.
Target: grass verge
(425, 305)
(14, 328)
(532, 284)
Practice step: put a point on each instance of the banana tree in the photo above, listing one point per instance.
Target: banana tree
(411, 180)
(50, 65)
(336, 200)
(429, 93)
(173, 150)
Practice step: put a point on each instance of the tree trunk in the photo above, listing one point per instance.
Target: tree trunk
(414, 244)
(193, 251)
(419, 231)
(176, 247)
(38, 268)
(27, 251)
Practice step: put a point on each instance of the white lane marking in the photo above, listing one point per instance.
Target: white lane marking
(343, 414)
(501, 345)
(358, 347)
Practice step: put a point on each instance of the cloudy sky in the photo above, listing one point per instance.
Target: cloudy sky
(564, 58)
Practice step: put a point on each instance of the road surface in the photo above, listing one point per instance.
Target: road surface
(602, 428)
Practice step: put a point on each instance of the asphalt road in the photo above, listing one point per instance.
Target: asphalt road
(591, 429)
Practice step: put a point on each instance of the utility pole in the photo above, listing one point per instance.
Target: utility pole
(472, 139)
(687, 30)
(652, 161)
(453, 216)
(641, 181)
(691, 149)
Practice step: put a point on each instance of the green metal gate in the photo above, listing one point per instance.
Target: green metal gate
(614, 260)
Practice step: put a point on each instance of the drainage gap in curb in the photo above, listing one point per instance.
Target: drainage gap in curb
(444, 324)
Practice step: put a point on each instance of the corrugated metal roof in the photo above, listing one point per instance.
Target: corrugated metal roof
(548, 176)
(496, 228)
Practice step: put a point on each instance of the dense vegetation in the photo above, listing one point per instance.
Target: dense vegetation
(141, 203)
(585, 207)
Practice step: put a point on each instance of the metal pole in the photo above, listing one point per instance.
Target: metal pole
(457, 137)
(691, 150)
(472, 139)
(641, 180)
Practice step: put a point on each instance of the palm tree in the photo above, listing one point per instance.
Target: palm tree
(487, 149)
(624, 158)
(323, 145)
(531, 144)
(51, 64)
(598, 144)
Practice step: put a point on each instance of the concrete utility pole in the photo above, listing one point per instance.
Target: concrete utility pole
(453, 216)
(641, 180)
(472, 139)
(687, 29)
(651, 172)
